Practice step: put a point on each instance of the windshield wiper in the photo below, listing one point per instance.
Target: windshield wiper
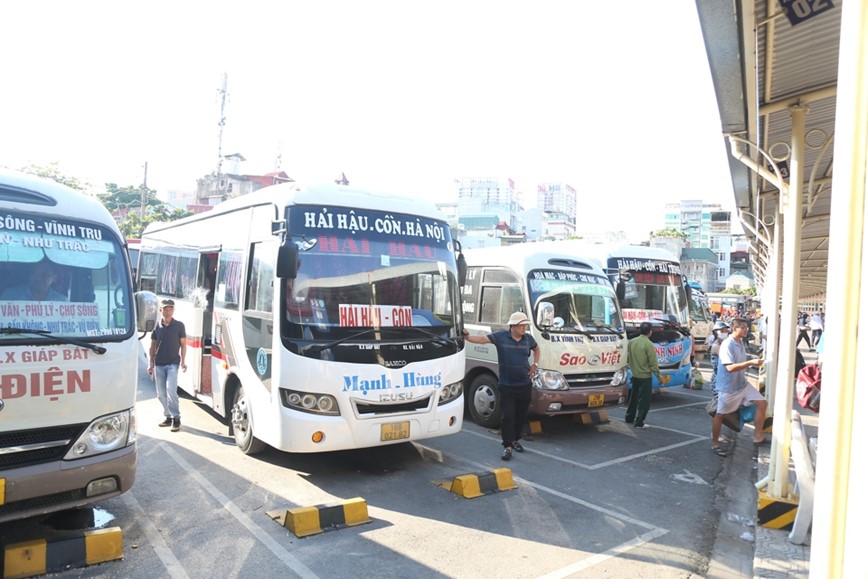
(47, 334)
(607, 328)
(434, 337)
(317, 348)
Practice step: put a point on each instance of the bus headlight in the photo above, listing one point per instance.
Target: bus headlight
(103, 435)
(620, 377)
(550, 380)
(450, 392)
(310, 402)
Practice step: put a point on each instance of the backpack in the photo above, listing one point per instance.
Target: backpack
(808, 387)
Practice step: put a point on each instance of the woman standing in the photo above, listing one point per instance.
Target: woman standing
(719, 333)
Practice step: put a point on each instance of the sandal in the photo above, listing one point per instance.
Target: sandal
(719, 451)
(763, 442)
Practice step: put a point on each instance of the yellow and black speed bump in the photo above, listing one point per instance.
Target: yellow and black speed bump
(774, 513)
(471, 486)
(306, 521)
(767, 424)
(535, 426)
(596, 417)
(41, 556)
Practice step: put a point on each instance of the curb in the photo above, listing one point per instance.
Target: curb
(471, 486)
(41, 556)
(306, 521)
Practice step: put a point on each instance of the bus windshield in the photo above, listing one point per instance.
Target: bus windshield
(62, 278)
(581, 302)
(401, 283)
(649, 296)
(698, 308)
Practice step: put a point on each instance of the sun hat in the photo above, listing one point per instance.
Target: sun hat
(719, 325)
(168, 303)
(518, 318)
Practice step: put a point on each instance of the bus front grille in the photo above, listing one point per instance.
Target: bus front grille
(593, 380)
(27, 447)
(372, 410)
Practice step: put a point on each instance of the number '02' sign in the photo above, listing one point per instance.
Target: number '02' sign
(798, 11)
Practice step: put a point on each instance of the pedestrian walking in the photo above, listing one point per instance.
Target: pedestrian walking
(733, 388)
(515, 372)
(817, 325)
(642, 359)
(719, 333)
(168, 352)
(802, 324)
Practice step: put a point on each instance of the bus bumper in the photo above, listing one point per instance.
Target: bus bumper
(575, 401)
(59, 485)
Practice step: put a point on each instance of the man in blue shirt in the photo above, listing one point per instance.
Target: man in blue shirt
(515, 373)
(733, 389)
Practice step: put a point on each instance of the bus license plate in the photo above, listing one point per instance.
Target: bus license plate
(394, 431)
(665, 378)
(596, 400)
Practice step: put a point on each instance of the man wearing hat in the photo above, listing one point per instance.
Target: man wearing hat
(642, 358)
(515, 373)
(167, 340)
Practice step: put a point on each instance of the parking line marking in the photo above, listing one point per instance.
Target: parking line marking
(170, 562)
(288, 558)
(607, 554)
(652, 533)
(694, 439)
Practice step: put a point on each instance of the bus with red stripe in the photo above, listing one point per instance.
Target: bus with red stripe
(318, 318)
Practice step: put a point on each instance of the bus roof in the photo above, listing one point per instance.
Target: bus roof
(25, 192)
(286, 194)
(532, 256)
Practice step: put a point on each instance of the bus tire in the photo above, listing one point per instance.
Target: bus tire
(483, 401)
(242, 424)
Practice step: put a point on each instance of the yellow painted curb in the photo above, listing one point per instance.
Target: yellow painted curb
(41, 556)
(596, 417)
(471, 486)
(774, 513)
(313, 520)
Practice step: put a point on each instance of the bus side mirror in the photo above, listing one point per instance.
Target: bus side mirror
(147, 311)
(619, 290)
(545, 315)
(462, 270)
(287, 260)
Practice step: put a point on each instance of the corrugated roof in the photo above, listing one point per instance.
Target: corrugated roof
(762, 64)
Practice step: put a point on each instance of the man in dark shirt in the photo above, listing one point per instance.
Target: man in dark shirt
(167, 340)
(515, 373)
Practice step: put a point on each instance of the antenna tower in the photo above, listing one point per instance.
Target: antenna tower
(222, 94)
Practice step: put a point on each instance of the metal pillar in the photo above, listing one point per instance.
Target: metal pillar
(791, 212)
(837, 549)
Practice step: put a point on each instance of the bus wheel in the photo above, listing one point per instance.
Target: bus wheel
(483, 401)
(242, 425)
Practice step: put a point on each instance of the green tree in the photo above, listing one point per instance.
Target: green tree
(52, 171)
(670, 232)
(125, 204)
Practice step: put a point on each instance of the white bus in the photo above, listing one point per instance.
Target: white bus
(576, 322)
(318, 318)
(68, 350)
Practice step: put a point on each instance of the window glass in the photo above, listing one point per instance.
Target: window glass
(61, 276)
(228, 280)
(260, 289)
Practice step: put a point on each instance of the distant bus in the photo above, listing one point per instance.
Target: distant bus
(575, 319)
(69, 350)
(318, 318)
(651, 288)
(700, 316)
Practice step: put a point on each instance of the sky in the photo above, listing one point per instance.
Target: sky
(614, 99)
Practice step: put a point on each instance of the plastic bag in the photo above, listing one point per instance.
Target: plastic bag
(808, 387)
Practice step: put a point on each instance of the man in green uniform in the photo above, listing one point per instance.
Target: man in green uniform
(642, 357)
